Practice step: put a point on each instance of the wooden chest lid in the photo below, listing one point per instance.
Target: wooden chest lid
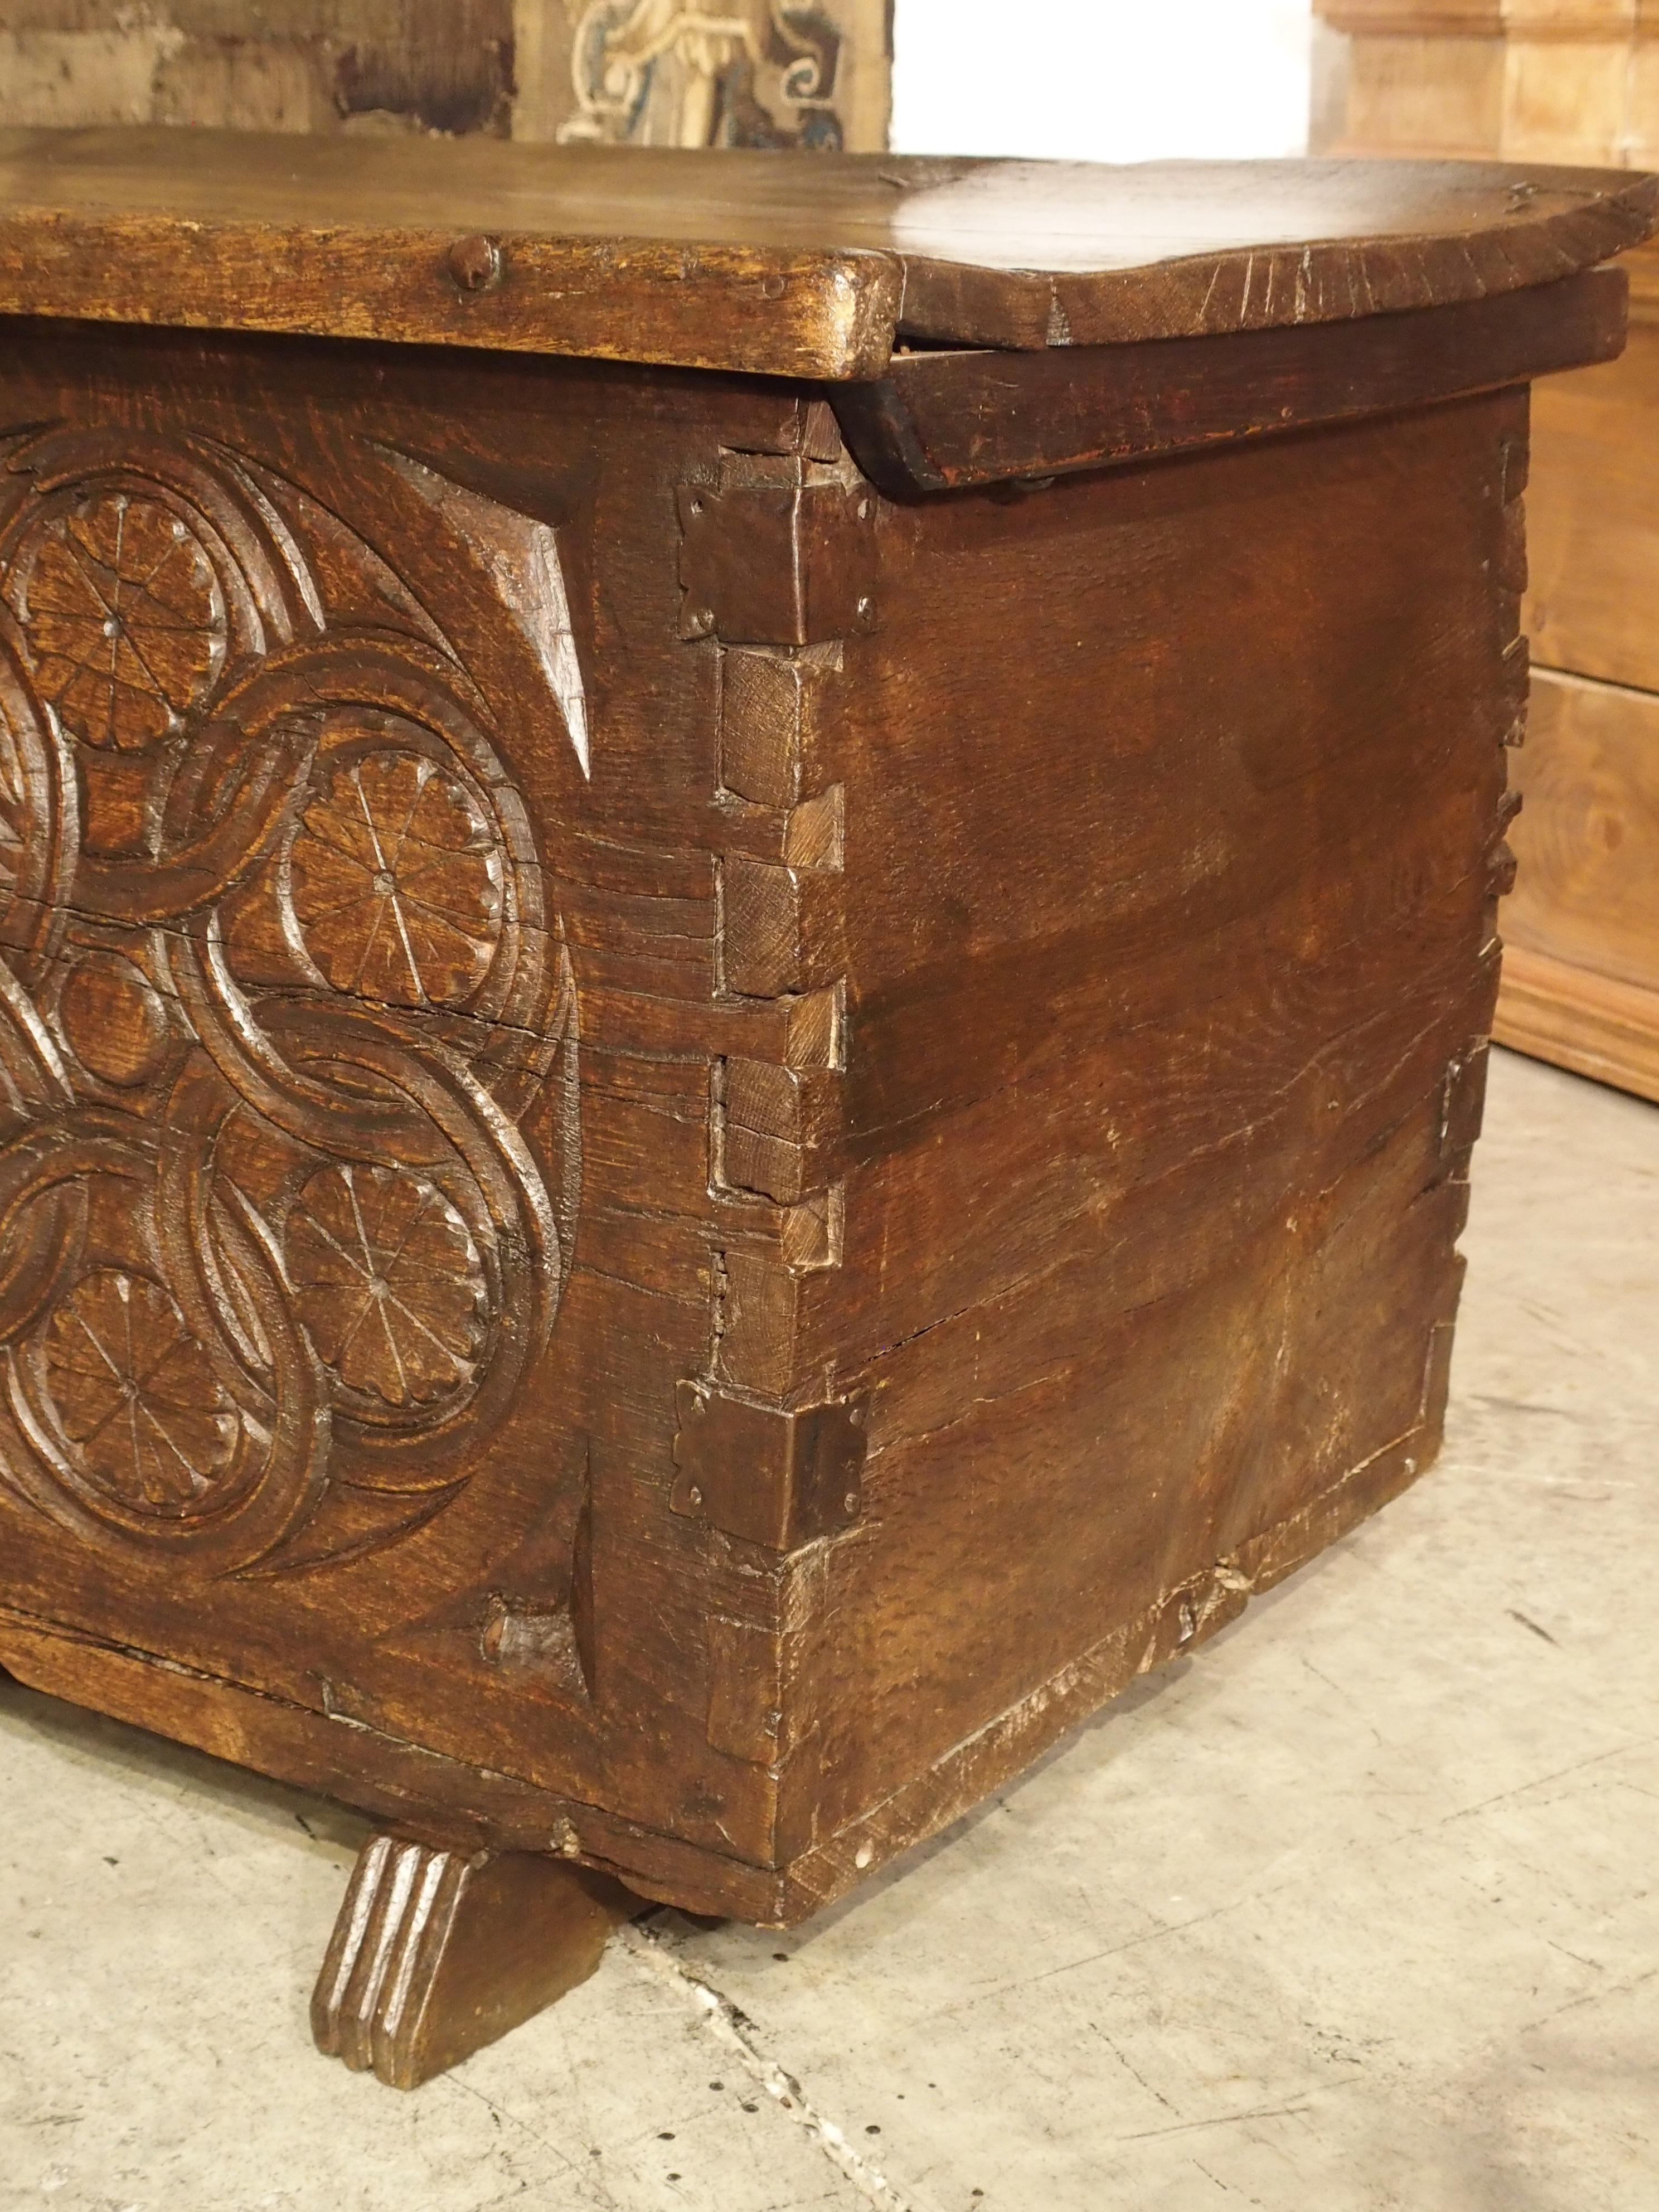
(784, 264)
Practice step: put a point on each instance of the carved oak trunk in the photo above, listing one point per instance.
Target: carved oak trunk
(729, 1072)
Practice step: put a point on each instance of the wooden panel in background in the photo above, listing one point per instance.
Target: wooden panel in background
(1589, 774)
(1594, 508)
(1407, 93)
(1582, 927)
(1597, 1027)
(1556, 80)
(1533, 79)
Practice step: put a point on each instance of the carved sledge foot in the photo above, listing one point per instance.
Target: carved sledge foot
(435, 1954)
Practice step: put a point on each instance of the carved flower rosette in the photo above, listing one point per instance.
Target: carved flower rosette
(278, 998)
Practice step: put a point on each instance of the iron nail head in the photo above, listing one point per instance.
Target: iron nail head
(475, 263)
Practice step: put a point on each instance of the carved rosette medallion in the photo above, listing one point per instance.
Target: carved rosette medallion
(136, 1395)
(125, 619)
(397, 883)
(278, 1002)
(388, 1282)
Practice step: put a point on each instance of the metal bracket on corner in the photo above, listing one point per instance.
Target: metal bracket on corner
(775, 564)
(778, 1480)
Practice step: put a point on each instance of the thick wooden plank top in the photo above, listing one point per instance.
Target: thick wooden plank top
(797, 264)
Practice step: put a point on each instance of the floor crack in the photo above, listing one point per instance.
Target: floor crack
(735, 2030)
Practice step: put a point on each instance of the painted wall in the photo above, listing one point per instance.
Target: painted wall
(666, 72)
(1102, 80)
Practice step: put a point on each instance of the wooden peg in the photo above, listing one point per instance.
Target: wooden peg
(435, 1954)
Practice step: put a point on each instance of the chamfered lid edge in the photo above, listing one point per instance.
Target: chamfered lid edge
(806, 265)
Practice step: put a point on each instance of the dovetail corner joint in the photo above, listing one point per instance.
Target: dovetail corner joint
(780, 929)
(778, 1480)
(1464, 1101)
(778, 1127)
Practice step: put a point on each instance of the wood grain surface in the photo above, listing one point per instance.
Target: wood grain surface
(642, 1201)
(1582, 974)
(1594, 509)
(942, 420)
(1578, 1017)
(689, 1150)
(808, 265)
(1583, 923)
(1515, 80)
(437, 1953)
(1589, 775)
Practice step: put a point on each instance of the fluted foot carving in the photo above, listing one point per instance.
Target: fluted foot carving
(435, 1955)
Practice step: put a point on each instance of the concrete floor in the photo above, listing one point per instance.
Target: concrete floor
(1356, 1910)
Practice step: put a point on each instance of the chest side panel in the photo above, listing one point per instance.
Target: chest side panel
(1172, 839)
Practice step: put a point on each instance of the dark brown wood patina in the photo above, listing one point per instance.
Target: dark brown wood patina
(723, 1088)
(768, 263)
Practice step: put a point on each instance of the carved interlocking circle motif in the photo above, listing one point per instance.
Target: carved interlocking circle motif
(280, 1008)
